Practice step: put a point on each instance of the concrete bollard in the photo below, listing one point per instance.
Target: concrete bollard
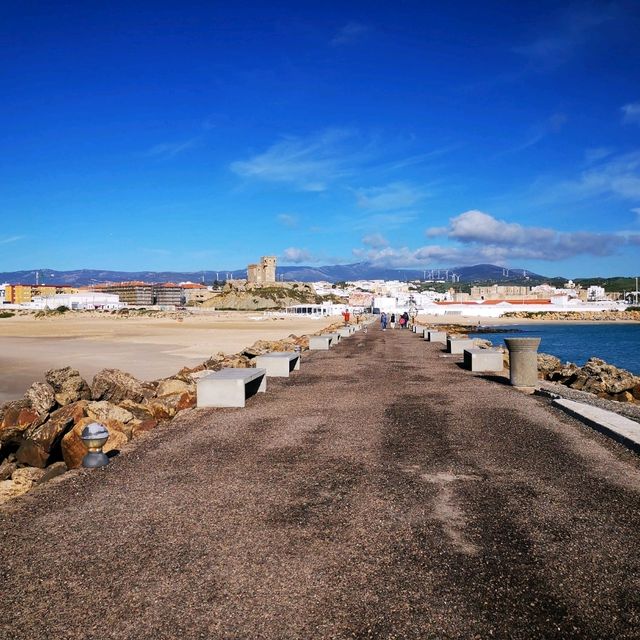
(523, 362)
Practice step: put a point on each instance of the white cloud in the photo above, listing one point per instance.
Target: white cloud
(596, 154)
(375, 240)
(349, 33)
(287, 220)
(476, 227)
(170, 149)
(477, 237)
(618, 176)
(636, 210)
(10, 239)
(631, 113)
(397, 195)
(573, 30)
(296, 255)
(309, 164)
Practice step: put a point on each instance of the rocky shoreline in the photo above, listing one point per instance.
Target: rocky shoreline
(40, 432)
(595, 377)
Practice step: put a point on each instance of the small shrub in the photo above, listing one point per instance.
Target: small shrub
(6, 314)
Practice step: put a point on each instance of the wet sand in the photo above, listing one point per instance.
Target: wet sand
(148, 348)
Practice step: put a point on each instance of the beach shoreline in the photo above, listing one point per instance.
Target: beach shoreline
(148, 347)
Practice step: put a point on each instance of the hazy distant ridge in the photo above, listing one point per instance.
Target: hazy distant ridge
(331, 273)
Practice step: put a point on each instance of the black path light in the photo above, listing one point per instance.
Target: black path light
(94, 436)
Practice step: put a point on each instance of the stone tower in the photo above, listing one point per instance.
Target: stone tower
(268, 264)
(262, 273)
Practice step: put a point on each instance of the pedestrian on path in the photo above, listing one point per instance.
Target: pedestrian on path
(405, 318)
(392, 321)
(383, 321)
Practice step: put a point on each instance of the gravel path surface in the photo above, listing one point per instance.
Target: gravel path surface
(382, 492)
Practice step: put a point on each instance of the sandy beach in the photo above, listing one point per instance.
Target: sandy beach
(147, 347)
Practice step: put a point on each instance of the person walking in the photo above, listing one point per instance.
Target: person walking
(405, 317)
(392, 321)
(383, 321)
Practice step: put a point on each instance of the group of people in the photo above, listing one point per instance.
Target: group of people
(402, 320)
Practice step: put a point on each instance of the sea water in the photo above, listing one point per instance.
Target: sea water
(617, 344)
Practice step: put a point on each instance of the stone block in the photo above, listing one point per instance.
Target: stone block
(458, 345)
(319, 343)
(279, 364)
(483, 360)
(230, 387)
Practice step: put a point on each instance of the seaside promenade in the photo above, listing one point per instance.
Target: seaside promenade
(381, 492)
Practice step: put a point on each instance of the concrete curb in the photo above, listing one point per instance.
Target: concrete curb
(617, 427)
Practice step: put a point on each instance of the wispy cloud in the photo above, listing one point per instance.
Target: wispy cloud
(287, 220)
(619, 176)
(375, 240)
(296, 255)
(397, 195)
(10, 239)
(309, 164)
(636, 210)
(596, 154)
(572, 31)
(349, 33)
(167, 150)
(539, 131)
(335, 157)
(631, 113)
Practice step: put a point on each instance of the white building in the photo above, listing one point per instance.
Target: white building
(596, 294)
(78, 301)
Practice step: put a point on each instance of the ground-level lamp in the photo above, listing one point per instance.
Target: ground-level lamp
(93, 437)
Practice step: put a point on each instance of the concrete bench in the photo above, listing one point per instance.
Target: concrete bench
(458, 345)
(335, 338)
(279, 364)
(436, 336)
(344, 332)
(483, 360)
(230, 387)
(319, 343)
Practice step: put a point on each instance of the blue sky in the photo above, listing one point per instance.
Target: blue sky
(201, 135)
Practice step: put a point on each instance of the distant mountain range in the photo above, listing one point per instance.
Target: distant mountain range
(330, 273)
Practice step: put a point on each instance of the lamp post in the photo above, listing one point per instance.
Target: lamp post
(93, 437)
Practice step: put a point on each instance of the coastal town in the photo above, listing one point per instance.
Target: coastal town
(262, 289)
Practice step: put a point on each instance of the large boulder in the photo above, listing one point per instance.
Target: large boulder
(186, 374)
(547, 365)
(140, 411)
(115, 386)
(171, 386)
(103, 410)
(17, 417)
(41, 397)
(53, 471)
(601, 378)
(7, 467)
(73, 449)
(167, 406)
(141, 427)
(68, 385)
(41, 442)
(21, 481)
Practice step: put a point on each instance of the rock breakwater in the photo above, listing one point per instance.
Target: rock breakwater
(40, 432)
